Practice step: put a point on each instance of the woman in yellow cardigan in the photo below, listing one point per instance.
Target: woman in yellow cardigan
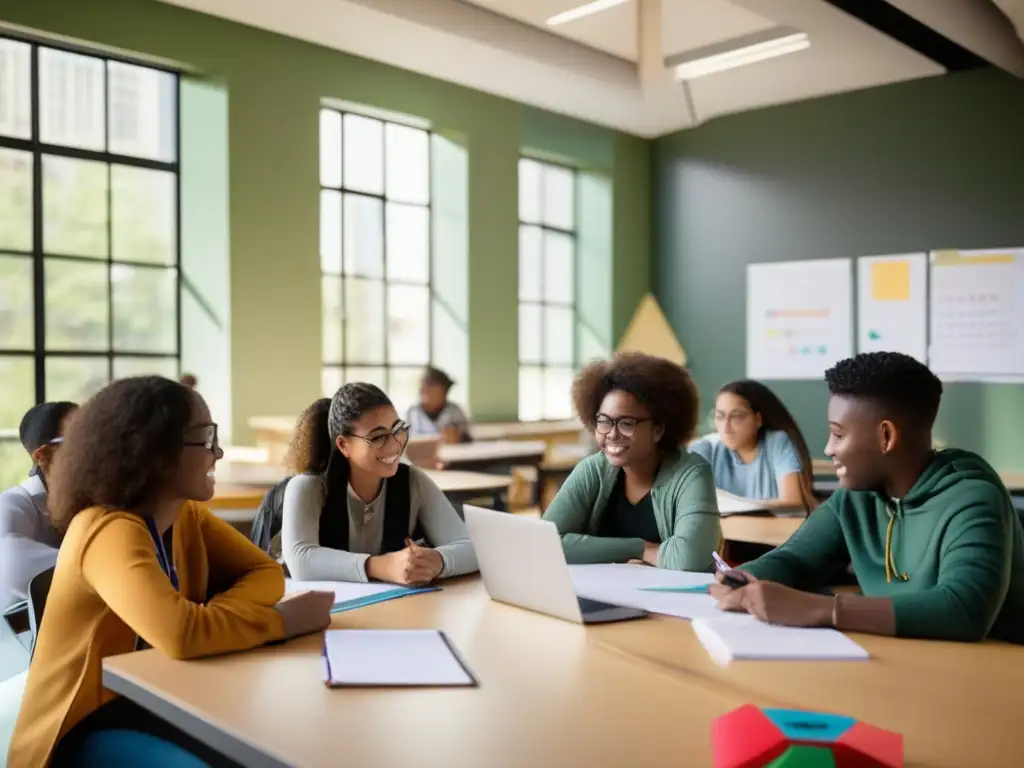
(138, 564)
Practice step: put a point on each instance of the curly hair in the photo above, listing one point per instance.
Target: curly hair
(310, 448)
(662, 387)
(904, 387)
(122, 447)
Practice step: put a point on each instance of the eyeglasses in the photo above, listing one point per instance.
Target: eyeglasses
(209, 440)
(734, 418)
(604, 425)
(400, 433)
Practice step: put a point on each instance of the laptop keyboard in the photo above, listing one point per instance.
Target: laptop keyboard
(593, 606)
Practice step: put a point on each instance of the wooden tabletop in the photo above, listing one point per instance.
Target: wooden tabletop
(640, 693)
(491, 450)
(756, 529)
(525, 430)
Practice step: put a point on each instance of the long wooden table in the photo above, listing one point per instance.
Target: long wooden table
(552, 693)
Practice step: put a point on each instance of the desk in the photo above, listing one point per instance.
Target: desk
(551, 432)
(824, 471)
(492, 453)
(758, 529)
(639, 693)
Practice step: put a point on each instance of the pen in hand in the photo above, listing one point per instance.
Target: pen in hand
(730, 577)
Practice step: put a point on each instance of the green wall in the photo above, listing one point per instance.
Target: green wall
(909, 167)
(275, 85)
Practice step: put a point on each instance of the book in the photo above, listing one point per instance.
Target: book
(392, 657)
(739, 636)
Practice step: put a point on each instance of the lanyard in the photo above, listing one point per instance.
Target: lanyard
(161, 553)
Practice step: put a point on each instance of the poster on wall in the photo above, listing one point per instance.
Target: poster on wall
(799, 318)
(977, 314)
(892, 304)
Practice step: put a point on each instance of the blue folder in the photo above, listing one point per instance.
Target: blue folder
(380, 597)
(699, 589)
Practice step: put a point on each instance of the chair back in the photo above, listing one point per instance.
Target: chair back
(38, 591)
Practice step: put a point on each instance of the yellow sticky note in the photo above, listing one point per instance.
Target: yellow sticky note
(890, 280)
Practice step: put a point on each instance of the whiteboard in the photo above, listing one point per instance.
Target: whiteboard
(799, 318)
(977, 313)
(892, 304)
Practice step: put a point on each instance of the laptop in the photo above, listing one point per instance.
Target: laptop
(522, 564)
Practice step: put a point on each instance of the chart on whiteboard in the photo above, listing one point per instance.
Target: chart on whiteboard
(977, 313)
(799, 318)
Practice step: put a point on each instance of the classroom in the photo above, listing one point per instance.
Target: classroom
(666, 355)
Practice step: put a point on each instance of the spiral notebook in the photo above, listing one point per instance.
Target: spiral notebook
(367, 658)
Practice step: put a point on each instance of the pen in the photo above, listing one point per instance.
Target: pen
(730, 578)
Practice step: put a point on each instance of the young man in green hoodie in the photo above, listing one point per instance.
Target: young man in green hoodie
(934, 540)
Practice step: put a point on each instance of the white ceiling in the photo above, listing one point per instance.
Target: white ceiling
(588, 68)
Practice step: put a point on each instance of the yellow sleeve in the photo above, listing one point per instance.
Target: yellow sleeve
(119, 562)
(247, 571)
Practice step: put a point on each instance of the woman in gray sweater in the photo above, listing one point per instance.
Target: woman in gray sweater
(357, 513)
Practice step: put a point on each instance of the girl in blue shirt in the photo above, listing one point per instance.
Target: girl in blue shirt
(758, 451)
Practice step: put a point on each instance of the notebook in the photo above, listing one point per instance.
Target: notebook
(681, 594)
(739, 636)
(350, 595)
(392, 657)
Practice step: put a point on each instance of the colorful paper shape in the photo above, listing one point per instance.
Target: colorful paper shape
(698, 589)
(749, 737)
(890, 280)
(380, 597)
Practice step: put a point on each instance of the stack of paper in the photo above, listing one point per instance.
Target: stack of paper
(350, 595)
(739, 636)
(643, 587)
(392, 657)
(731, 504)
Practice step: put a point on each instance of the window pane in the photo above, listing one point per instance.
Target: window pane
(557, 397)
(15, 90)
(330, 148)
(378, 376)
(145, 309)
(145, 366)
(17, 389)
(559, 274)
(71, 99)
(363, 140)
(142, 108)
(74, 207)
(364, 321)
(408, 164)
(531, 396)
(408, 325)
(404, 388)
(75, 378)
(331, 380)
(15, 199)
(76, 306)
(330, 231)
(144, 215)
(530, 274)
(408, 231)
(530, 341)
(364, 236)
(558, 336)
(15, 463)
(330, 288)
(17, 328)
(529, 191)
(559, 197)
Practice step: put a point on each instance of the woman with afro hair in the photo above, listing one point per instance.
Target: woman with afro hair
(642, 497)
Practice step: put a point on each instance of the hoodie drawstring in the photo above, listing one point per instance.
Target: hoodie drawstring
(890, 562)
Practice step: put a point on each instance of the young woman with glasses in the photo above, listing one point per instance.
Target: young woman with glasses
(357, 513)
(142, 562)
(642, 497)
(758, 451)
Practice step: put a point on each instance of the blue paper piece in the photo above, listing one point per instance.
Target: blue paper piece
(380, 597)
(797, 725)
(698, 589)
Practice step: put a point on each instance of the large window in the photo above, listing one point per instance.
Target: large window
(89, 247)
(375, 253)
(547, 294)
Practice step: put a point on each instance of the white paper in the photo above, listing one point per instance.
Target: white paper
(739, 636)
(392, 657)
(343, 590)
(977, 314)
(799, 318)
(621, 584)
(731, 504)
(892, 304)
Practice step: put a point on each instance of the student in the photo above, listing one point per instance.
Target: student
(28, 540)
(134, 454)
(935, 543)
(435, 414)
(642, 496)
(356, 512)
(758, 452)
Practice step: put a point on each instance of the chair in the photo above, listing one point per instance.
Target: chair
(123, 748)
(38, 590)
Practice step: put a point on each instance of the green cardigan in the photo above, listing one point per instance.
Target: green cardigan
(685, 508)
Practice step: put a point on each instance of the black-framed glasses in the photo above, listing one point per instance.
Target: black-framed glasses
(604, 425)
(400, 433)
(208, 433)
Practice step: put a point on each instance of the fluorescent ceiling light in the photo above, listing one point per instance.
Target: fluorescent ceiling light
(740, 53)
(581, 11)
